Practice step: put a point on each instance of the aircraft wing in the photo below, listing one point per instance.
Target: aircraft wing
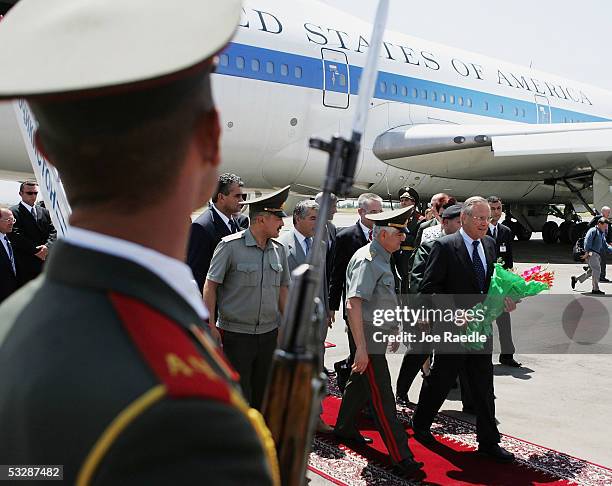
(498, 151)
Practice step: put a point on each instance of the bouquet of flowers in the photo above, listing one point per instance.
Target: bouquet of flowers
(505, 283)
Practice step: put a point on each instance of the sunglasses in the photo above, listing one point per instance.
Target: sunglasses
(30, 193)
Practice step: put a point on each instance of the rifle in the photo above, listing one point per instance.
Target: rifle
(296, 383)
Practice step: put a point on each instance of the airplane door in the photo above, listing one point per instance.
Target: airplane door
(335, 79)
(543, 109)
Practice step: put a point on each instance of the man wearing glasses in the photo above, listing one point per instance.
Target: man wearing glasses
(215, 223)
(33, 233)
(461, 265)
(8, 269)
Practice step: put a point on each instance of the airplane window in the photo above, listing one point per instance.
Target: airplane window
(223, 60)
(383, 87)
(342, 79)
(501, 108)
(297, 72)
(394, 89)
(404, 91)
(434, 96)
(255, 65)
(424, 94)
(284, 70)
(270, 67)
(486, 106)
(460, 100)
(523, 113)
(451, 99)
(414, 92)
(469, 102)
(516, 112)
(240, 62)
(443, 97)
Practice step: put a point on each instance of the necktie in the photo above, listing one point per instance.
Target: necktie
(494, 232)
(33, 213)
(478, 265)
(308, 243)
(370, 235)
(10, 253)
(234, 226)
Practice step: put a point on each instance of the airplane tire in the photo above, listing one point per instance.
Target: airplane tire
(564, 230)
(522, 233)
(550, 232)
(576, 231)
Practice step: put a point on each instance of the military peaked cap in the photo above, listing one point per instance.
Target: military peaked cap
(73, 46)
(272, 203)
(452, 211)
(395, 218)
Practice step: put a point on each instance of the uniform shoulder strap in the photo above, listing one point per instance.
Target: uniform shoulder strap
(170, 353)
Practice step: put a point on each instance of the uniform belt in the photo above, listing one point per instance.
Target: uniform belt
(407, 247)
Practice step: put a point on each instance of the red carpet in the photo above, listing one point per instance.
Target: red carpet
(453, 461)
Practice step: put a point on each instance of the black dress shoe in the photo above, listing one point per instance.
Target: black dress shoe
(604, 280)
(424, 436)
(409, 466)
(360, 440)
(510, 362)
(598, 292)
(574, 279)
(496, 453)
(469, 409)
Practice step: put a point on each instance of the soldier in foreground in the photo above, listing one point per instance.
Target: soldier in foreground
(104, 366)
(370, 288)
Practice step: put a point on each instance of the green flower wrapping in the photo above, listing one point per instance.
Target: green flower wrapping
(503, 284)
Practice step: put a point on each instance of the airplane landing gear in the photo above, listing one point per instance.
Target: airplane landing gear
(550, 232)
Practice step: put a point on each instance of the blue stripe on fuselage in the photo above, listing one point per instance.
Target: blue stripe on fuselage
(307, 72)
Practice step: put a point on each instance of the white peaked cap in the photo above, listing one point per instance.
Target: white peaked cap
(62, 46)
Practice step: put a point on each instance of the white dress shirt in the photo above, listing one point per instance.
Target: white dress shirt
(302, 240)
(27, 206)
(172, 271)
(493, 230)
(366, 230)
(224, 218)
(468, 243)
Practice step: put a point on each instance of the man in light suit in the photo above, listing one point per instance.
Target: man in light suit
(298, 243)
(33, 233)
(8, 269)
(461, 265)
(215, 223)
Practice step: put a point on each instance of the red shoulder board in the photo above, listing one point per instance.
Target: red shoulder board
(169, 351)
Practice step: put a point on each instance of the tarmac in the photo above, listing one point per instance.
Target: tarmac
(561, 397)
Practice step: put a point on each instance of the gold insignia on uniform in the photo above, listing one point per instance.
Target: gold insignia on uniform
(177, 366)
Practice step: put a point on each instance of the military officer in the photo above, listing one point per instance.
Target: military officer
(248, 282)
(402, 258)
(370, 289)
(104, 366)
(419, 353)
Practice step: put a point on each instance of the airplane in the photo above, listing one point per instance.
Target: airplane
(441, 120)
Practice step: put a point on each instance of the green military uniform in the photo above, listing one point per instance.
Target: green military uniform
(369, 278)
(415, 357)
(249, 281)
(401, 260)
(104, 369)
(104, 366)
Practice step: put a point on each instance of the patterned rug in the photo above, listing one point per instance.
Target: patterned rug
(452, 461)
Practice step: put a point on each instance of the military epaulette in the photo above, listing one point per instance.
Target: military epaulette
(169, 352)
(234, 236)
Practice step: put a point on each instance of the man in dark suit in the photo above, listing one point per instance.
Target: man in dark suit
(348, 241)
(215, 223)
(8, 269)
(33, 233)
(461, 265)
(503, 243)
(106, 363)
